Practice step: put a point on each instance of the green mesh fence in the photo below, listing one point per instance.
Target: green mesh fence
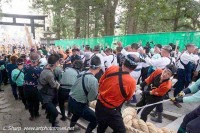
(161, 38)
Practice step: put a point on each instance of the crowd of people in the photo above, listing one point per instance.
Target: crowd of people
(51, 76)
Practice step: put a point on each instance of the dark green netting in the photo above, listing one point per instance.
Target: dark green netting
(161, 38)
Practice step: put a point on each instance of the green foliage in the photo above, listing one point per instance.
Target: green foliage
(90, 18)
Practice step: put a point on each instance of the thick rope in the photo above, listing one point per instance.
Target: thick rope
(163, 101)
(131, 120)
(136, 125)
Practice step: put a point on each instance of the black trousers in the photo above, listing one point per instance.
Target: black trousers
(31, 96)
(144, 73)
(63, 96)
(82, 110)
(191, 122)
(52, 112)
(181, 83)
(14, 91)
(4, 77)
(149, 99)
(109, 117)
(40, 98)
(21, 94)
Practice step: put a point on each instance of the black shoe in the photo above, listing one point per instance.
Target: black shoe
(47, 116)
(43, 107)
(31, 118)
(154, 114)
(63, 118)
(26, 107)
(1, 90)
(69, 115)
(88, 130)
(55, 125)
(157, 119)
(73, 129)
(37, 115)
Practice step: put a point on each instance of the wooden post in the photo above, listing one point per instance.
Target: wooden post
(28, 36)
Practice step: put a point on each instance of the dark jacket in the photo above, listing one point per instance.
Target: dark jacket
(47, 86)
(10, 67)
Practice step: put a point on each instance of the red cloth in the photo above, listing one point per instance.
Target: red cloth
(64, 55)
(110, 91)
(27, 62)
(163, 88)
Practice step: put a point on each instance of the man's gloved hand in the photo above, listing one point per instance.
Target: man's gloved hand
(173, 99)
(181, 94)
(177, 99)
(146, 92)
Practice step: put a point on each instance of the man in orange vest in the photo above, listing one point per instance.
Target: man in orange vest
(115, 87)
(159, 84)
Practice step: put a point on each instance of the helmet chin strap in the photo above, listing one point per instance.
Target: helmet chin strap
(94, 67)
(169, 70)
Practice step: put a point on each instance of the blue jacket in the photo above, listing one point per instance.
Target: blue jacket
(195, 90)
(31, 75)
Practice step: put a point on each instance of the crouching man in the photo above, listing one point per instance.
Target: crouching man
(159, 84)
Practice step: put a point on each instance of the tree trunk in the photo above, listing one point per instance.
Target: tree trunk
(77, 25)
(194, 23)
(145, 26)
(176, 19)
(88, 20)
(96, 25)
(130, 17)
(58, 29)
(107, 23)
(109, 16)
(126, 23)
(112, 16)
(136, 19)
(85, 23)
(58, 33)
(85, 27)
(112, 23)
(135, 22)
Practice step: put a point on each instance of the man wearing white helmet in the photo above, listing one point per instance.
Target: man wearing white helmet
(96, 52)
(87, 54)
(156, 55)
(185, 66)
(133, 49)
(163, 61)
(111, 56)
